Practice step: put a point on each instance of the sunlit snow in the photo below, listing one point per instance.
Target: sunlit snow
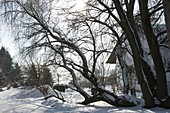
(30, 100)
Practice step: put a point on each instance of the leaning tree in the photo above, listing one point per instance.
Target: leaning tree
(39, 25)
(136, 22)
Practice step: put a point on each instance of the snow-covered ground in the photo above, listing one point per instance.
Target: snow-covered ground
(30, 100)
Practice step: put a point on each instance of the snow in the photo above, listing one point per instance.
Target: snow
(30, 100)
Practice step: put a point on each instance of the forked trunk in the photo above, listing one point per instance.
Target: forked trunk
(161, 87)
(147, 95)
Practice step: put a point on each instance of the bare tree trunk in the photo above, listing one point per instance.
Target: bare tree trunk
(125, 80)
(148, 97)
(146, 69)
(161, 88)
(132, 80)
(166, 4)
(123, 67)
(150, 77)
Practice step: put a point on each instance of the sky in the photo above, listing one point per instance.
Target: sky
(7, 40)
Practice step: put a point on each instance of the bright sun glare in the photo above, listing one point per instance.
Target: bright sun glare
(79, 4)
(6, 37)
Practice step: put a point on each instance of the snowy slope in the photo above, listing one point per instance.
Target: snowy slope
(30, 100)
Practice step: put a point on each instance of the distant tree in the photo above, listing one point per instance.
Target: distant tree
(5, 60)
(18, 76)
(38, 75)
(33, 78)
(46, 76)
(17, 72)
(6, 67)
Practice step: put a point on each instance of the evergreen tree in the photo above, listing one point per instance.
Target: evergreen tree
(17, 76)
(5, 60)
(39, 75)
(33, 76)
(6, 68)
(46, 76)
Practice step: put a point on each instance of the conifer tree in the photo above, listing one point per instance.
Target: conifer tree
(6, 68)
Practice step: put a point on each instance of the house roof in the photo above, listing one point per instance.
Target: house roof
(112, 57)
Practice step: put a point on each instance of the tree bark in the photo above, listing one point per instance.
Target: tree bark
(119, 54)
(161, 88)
(147, 95)
(150, 77)
(145, 67)
(166, 5)
(109, 98)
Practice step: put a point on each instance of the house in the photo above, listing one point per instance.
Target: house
(165, 52)
(124, 66)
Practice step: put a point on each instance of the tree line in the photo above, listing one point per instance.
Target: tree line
(13, 75)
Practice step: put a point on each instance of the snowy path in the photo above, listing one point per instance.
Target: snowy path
(31, 101)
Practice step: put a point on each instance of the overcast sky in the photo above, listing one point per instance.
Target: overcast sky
(7, 41)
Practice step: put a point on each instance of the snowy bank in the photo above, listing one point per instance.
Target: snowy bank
(30, 100)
